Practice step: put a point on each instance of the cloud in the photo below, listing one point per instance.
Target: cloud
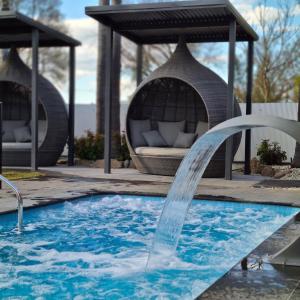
(85, 30)
(296, 11)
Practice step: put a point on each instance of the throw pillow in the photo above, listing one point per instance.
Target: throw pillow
(137, 127)
(22, 134)
(184, 140)
(154, 139)
(169, 131)
(202, 127)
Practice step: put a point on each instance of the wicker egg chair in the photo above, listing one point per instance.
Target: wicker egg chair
(181, 89)
(15, 93)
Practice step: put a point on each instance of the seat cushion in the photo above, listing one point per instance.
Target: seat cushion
(16, 146)
(169, 131)
(154, 139)
(184, 140)
(137, 127)
(161, 151)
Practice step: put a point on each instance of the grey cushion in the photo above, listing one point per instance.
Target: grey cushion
(22, 134)
(137, 127)
(169, 131)
(184, 140)
(154, 139)
(202, 128)
(8, 130)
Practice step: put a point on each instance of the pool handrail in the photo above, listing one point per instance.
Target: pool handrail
(19, 200)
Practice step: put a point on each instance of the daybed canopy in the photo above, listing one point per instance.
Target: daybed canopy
(15, 91)
(181, 89)
(19, 31)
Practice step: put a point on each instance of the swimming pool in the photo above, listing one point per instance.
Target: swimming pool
(97, 247)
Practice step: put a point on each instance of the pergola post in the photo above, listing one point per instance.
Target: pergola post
(247, 168)
(34, 99)
(230, 98)
(107, 100)
(139, 64)
(1, 130)
(72, 63)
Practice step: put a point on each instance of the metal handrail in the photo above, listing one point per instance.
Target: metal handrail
(19, 199)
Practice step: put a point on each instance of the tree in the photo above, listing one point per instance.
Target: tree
(101, 69)
(155, 55)
(277, 53)
(53, 61)
(115, 87)
(296, 160)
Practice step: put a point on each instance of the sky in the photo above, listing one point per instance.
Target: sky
(84, 29)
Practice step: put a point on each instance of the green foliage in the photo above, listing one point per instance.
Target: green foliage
(122, 151)
(90, 146)
(271, 153)
(297, 88)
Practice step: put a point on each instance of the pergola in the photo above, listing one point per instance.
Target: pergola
(199, 21)
(17, 30)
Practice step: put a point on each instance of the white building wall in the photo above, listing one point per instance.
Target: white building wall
(284, 110)
(85, 119)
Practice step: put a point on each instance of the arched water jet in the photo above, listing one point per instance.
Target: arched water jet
(190, 173)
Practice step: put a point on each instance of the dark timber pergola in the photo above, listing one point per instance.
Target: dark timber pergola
(199, 21)
(17, 30)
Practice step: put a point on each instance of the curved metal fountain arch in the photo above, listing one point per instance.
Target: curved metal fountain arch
(190, 173)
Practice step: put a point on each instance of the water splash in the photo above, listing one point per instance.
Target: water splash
(190, 173)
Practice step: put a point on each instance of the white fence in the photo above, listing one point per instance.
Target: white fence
(85, 119)
(284, 110)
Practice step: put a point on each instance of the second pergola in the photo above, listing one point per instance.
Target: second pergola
(20, 31)
(201, 21)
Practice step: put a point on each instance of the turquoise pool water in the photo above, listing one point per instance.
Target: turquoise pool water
(97, 247)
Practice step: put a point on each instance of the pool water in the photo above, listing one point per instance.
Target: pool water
(97, 247)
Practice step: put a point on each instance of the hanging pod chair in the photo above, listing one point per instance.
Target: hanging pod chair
(15, 93)
(180, 90)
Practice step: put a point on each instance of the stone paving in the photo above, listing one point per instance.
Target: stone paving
(61, 183)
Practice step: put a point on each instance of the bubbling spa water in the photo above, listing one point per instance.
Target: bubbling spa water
(97, 248)
(190, 173)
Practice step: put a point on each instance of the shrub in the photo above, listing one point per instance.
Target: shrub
(122, 153)
(90, 146)
(270, 153)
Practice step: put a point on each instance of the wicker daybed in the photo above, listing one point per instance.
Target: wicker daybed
(15, 93)
(180, 90)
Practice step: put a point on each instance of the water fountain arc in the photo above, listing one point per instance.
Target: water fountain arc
(190, 173)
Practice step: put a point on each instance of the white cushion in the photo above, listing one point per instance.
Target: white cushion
(8, 128)
(154, 139)
(169, 131)
(22, 134)
(160, 151)
(184, 140)
(137, 127)
(16, 146)
(202, 127)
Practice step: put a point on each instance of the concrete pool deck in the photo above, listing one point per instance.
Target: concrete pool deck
(63, 183)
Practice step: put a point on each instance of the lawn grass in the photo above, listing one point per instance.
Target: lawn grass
(11, 174)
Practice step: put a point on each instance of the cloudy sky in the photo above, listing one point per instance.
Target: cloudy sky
(85, 29)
